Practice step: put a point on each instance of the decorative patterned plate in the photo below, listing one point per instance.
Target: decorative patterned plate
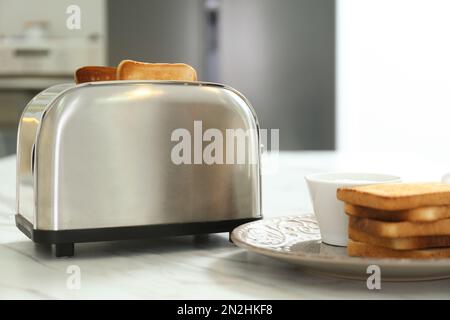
(296, 239)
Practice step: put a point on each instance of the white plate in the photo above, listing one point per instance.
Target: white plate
(296, 239)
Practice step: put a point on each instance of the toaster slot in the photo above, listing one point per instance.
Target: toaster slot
(33, 154)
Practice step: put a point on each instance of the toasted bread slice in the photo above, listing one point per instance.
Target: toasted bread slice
(397, 196)
(134, 70)
(94, 73)
(422, 214)
(360, 249)
(408, 243)
(400, 229)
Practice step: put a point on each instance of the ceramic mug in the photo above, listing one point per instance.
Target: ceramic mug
(329, 211)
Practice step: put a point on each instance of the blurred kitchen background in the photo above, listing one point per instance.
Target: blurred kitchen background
(365, 75)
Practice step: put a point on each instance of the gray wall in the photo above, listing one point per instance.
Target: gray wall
(280, 54)
(156, 31)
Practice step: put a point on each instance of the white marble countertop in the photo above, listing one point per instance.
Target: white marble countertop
(204, 267)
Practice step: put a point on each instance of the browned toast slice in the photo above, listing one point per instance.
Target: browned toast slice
(134, 70)
(400, 229)
(397, 196)
(406, 243)
(360, 249)
(422, 214)
(94, 73)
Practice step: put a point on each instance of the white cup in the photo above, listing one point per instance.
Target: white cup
(329, 211)
(446, 178)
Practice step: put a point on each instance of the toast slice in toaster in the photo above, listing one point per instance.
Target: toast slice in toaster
(95, 73)
(400, 229)
(406, 243)
(134, 70)
(397, 196)
(422, 214)
(360, 249)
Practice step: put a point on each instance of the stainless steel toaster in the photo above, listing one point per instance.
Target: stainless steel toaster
(95, 162)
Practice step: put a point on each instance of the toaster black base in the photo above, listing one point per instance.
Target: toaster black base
(64, 240)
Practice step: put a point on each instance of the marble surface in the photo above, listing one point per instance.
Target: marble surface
(206, 267)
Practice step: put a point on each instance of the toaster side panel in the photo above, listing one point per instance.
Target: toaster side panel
(105, 157)
(26, 139)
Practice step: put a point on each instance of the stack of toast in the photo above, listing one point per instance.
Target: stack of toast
(398, 220)
(135, 70)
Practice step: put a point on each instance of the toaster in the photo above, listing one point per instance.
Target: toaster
(119, 160)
